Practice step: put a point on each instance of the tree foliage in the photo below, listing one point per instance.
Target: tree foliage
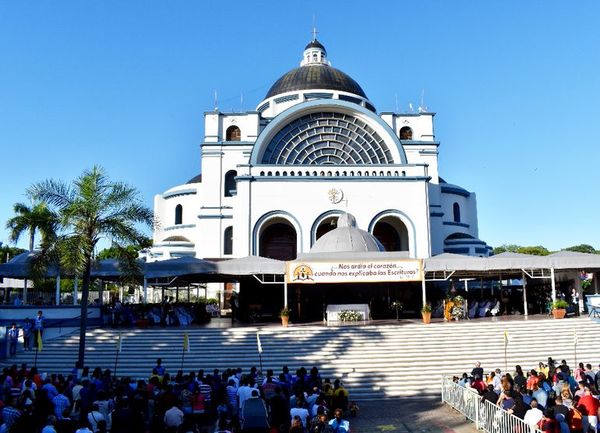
(31, 219)
(7, 252)
(115, 251)
(582, 248)
(537, 250)
(89, 209)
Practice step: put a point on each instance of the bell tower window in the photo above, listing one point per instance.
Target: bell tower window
(228, 241)
(406, 133)
(230, 184)
(233, 133)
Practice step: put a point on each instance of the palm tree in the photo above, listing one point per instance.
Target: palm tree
(31, 219)
(90, 209)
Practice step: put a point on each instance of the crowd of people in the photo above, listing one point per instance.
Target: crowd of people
(167, 313)
(228, 401)
(551, 397)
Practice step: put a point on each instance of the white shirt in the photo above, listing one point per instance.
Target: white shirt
(173, 417)
(497, 382)
(301, 412)
(533, 416)
(244, 393)
(75, 391)
(94, 417)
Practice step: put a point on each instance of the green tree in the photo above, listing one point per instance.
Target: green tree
(506, 248)
(7, 252)
(582, 248)
(30, 220)
(116, 251)
(537, 250)
(90, 209)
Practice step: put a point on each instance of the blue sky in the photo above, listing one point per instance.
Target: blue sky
(515, 85)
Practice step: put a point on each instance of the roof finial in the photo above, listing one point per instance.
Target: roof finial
(314, 32)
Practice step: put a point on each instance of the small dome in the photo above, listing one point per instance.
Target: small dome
(315, 76)
(315, 44)
(346, 238)
(176, 239)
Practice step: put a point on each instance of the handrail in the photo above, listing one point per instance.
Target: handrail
(487, 416)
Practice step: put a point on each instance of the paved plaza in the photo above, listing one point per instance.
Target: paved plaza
(409, 416)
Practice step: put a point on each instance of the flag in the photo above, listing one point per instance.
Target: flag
(119, 343)
(186, 342)
(505, 337)
(39, 342)
(258, 343)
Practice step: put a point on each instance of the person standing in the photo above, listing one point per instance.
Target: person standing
(49, 427)
(589, 405)
(338, 424)
(27, 330)
(173, 418)
(13, 338)
(38, 327)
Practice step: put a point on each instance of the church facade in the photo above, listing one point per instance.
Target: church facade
(275, 179)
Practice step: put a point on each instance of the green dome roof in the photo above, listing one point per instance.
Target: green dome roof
(317, 76)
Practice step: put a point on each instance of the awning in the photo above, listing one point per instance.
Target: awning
(251, 265)
(184, 266)
(20, 267)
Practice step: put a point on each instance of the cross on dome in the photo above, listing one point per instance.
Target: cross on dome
(314, 52)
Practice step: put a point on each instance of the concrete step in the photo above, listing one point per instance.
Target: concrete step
(376, 361)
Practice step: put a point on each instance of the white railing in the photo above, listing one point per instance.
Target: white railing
(486, 416)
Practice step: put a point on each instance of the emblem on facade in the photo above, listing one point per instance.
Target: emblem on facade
(335, 195)
(303, 273)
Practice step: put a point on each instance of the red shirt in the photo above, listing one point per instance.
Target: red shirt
(531, 381)
(588, 405)
(479, 385)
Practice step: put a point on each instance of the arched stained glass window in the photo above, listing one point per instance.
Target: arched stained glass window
(327, 138)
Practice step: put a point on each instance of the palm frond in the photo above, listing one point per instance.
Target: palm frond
(54, 192)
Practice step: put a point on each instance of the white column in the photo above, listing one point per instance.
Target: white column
(100, 292)
(120, 293)
(466, 300)
(145, 291)
(423, 291)
(57, 299)
(525, 308)
(579, 290)
(553, 283)
(25, 291)
(285, 294)
(75, 287)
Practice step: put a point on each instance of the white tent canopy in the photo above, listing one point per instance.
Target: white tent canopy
(251, 265)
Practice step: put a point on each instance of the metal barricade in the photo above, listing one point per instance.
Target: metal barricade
(464, 400)
(487, 416)
(494, 419)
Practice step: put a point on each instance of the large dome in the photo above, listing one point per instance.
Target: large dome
(315, 76)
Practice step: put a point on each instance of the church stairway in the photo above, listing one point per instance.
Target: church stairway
(375, 361)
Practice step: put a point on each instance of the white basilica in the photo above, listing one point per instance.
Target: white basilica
(276, 179)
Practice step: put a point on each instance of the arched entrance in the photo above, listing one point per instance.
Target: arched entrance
(278, 240)
(326, 226)
(392, 233)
